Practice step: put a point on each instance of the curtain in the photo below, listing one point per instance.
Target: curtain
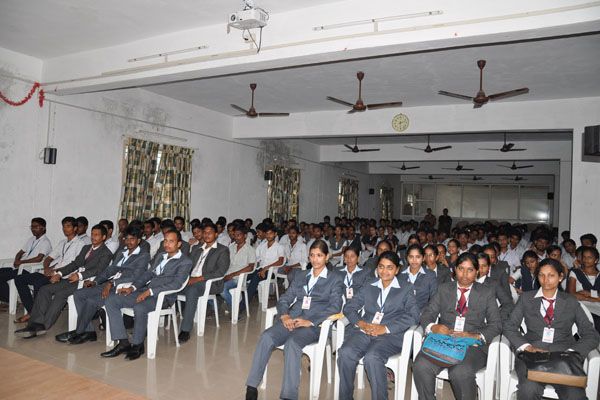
(172, 190)
(283, 194)
(138, 178)
(348, 198)
(387, 202)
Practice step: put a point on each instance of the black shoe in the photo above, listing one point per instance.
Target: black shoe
(135, 352)
(183, 337)
(65, 336)
(31, 331)
(119, 349)
(83, 337)
(251, 393)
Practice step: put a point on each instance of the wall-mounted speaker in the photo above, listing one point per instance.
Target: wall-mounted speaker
(50, 155)
(551, 196)
(591, 144)
(371, 191)
(268, 175)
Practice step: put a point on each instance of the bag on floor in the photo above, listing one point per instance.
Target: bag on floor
(445, 350)
(555, 368)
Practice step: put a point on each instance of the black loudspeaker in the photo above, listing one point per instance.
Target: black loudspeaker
(371, 191)
(591, 144)
(50, 155)
(268, 175)
(551, 196)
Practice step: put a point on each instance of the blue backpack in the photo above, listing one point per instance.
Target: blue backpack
(445, 350)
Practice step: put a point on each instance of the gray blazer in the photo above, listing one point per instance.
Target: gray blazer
(359, 279)
(483, 315)
(185, 250)
(326, 297)
(443, 274)
(424, 288)
(215, 265)
(506, 301)
(499, 274)
(94, 265)
(133, 267)
(567, 311)
(174, 274)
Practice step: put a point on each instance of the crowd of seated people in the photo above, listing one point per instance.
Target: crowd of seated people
(476, 281)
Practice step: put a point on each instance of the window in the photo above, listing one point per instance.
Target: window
(505, 202)
(348, 198)
(417, 198)
(475, 203)
(534, 203)
(450, 197)
(386, 195)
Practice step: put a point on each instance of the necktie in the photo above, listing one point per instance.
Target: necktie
(549, 317)
(461, 307)
(89, 253)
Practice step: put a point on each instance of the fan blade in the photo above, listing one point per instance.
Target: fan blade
(450, 169)
(384, 105)
(361, 150)
(456, 95)
(524, 166)
(503, 166)
(273, 114)
(352, 111)
(342, 102)
(414, 148)
(510, 93)
(467, 169)
(348, 147)
(411, 167)
(491, 150)
(440, 148)
(477, 105)
(239, 108)
(513, 149)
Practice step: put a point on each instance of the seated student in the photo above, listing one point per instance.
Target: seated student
(144, 245)
(463, 241)
(422, 280)
(371, 264)
(511, 256)
(541, 241)
(568, 255)
(125, 268)
(269, 254)
(179, 222)
(549, 315)
(35, 249)
(379, 315)
(555, 253)
(65, 252)
(588, 240)
(150, 237)
(483, 277)
(584, 282)
(524, 278)
(196, 240)
(465, 308)
(51, 299)
(82, 226)
(296, 254)
(353, 276)
(165, 226)
(337, 245)
(311, 298)
(169, 272)
(453, 250)
(122, 224)
(353, 238)
(260, 235)
(242, 258)
(111, 242)
(211, 260)
(498, 269)
(431, 261)
(222, 238)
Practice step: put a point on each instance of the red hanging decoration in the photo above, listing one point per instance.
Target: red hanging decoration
(36, 86)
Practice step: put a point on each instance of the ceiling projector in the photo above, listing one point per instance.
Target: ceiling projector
(251, 18)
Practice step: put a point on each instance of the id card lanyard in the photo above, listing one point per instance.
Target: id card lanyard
(548, 335)
(307, 299)
(379, 315)
(459, 324)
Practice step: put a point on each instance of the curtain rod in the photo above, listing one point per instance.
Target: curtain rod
(143, 137)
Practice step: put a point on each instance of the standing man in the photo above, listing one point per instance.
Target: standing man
(430, 218)
(445, 221)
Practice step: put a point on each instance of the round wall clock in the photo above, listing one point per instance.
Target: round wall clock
(400, 122)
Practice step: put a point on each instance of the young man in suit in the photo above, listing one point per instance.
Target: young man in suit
(168, 272)
(112, 242)
(165, 226)
(498, 269)
(52, 298)
(126, 267)
(211, 260)
(82, 226)
(465, 308)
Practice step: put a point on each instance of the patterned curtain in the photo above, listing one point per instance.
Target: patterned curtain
(348, 198)
(138, 178)
(173, 186)
(283, 194)
(386, 195)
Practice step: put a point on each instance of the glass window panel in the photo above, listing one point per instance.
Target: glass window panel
(422, 207)
(448, 196)
(505, 202)
(534, 203)
(475, 201)
(408, 199)
(424, 192)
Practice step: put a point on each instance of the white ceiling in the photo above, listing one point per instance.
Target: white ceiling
(51, 28)
(552, 69)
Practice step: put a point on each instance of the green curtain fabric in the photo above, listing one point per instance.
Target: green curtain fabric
(283, 194)
(173, 187)
(387, 202)
(348, 198)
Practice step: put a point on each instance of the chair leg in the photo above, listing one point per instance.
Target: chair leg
(13, 296)
(175, 327)
(153, 322)
(263, 384)
(201, 315)
(216, 308)
(360, 370)
(247, 305)
(235, 305)
(72, 313)
(328, 355)
(109, 341)
(276, 288)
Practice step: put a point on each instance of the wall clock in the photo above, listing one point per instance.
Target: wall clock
(400, 122)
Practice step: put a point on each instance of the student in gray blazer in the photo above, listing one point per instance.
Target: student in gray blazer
(430, 260)
(352, 275)
(463, 308)
(421, 279)
(549, 315)
(312, 297)
(483, 277)
(209, 261)
(126, 267)
(169, 271)
(379, 315)
(51, 299)
(498, 269)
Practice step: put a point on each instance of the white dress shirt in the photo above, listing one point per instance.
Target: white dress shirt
(543, 307)
(266, 255)
(113, 244)
(224, 239)
(85, 238)
(33, 247)
(511, 257)
(458, 294)
(197, 271)
(350, 275)
(297, 254)
(412, 278)
(240, 258)
(65, 252)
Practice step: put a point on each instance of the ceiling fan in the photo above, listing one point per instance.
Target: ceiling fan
(480, 98)
(474, 178)
(404, 167)
(460, 167)
(429, 149)
(516, 179)
(360, 105)
(514, 166)
(431, 177)
(506, 147)
(355, 149)
(251, 112)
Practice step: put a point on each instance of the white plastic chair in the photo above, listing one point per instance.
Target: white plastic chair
(314, 351)
(72, 310)
(264, 287)
(200, 317)
(13, 294)
(236, 297)
(484, 378)
(507, 360)
(397, 363)
(153, 321)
